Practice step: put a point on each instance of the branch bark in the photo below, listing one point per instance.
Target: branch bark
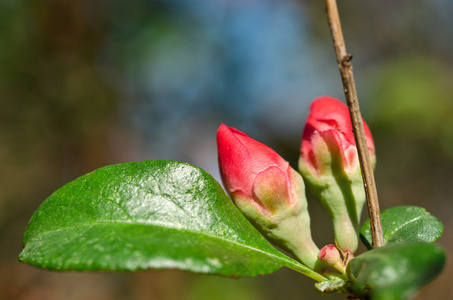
(345, 67)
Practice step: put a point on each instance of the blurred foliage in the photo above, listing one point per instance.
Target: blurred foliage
(55, 104)
(88, 83)
(410, 108)
(224, 289)
(413, 100)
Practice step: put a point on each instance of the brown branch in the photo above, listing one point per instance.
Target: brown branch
(345, 66)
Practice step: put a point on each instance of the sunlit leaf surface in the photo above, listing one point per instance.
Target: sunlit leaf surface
(150, 214)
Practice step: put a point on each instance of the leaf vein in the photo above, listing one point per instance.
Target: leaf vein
(403, 225)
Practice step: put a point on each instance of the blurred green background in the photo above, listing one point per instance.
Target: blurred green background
(86, 83)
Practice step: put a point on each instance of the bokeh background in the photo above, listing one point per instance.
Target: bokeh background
(88, 83)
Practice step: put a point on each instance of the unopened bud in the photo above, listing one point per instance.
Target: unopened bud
(331, 257)
(330, 166)
(267, 191)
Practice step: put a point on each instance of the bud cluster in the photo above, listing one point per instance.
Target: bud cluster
(271, 194)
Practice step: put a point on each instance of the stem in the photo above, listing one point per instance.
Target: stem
(345, 66)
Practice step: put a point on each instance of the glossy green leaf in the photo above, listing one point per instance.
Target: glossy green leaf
(395, 271)
(405, 223)
(151, 214)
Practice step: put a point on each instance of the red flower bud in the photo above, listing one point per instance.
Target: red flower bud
(267, 191)
(329, 163)
(329, 128)
(250, 169)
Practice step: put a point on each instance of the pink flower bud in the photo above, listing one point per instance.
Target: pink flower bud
(329, 254)
(330, 166)
(267, 190)
(328, 134)
(331, 257)
(251, 170)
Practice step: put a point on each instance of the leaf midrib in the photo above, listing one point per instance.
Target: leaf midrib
(284, 259)
(403, 225)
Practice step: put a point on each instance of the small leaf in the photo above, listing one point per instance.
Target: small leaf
(150, 214)
(395, 271)
(330, 286)
(405, 223)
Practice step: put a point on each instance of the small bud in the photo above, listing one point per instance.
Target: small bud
(331, 257)
(330, 166)
(267, 191)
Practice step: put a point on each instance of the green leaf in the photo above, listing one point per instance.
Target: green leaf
(330, 286)
(150, 214)
(405, 223)
(395, 271)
